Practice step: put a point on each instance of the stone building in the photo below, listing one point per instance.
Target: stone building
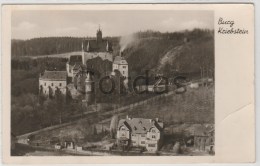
(121, 65)
(139, 132)
(98, 47)
(50, 81)
(73, 62)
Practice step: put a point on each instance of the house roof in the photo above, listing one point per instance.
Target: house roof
(139, 125)
(120, 60)
(97, 46)
(54, 75)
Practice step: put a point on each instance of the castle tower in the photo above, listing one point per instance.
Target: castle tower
(88, 84)
(121, 65)
(89, 89)
(99, 35)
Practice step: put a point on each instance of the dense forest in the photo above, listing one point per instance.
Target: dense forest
(49, 45)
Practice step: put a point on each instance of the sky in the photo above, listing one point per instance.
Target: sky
(32, 24)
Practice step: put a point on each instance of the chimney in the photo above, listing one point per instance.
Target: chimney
(128, 118)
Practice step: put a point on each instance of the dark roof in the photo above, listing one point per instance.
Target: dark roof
(119, 60)
(54, 75)
(139, 125)
(95, 46)
(75, 59)
(80, 67)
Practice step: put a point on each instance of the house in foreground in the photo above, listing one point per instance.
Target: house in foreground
(204, 141)
(140, 132)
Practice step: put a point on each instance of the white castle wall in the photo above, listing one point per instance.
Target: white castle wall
(61, 84)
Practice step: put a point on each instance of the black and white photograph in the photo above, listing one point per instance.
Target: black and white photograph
(112, 83)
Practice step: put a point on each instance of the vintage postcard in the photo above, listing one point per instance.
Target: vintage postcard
(128, 83)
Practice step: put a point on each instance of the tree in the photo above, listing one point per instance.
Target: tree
(59, 103)
(94, 130)
(113, 126)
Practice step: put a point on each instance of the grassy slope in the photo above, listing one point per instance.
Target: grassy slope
(194, 106)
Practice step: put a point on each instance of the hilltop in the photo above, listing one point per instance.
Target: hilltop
(165, 53)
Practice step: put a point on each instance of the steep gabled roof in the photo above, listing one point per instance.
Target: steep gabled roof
(139, 125)
(54, 76)
(97, 46)
(120, 60)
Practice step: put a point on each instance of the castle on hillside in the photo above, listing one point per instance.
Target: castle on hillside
(78, 78)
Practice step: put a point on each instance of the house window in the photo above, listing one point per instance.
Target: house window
(51, 84)
(153, 136)
(124, 67)
(151, 145)
(123, 72)
(142, 142)
(60, 84)
(133, 135)
(122, 128)
(142, 135)
(153, 131)
(45, 84)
